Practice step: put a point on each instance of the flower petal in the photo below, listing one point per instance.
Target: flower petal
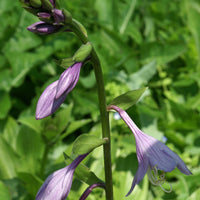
(141, 171)
(180, 164)
(68, 79)
(57, 185)
(47, 104)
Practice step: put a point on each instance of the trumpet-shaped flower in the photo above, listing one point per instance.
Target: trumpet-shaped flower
(57, 185)
(55, 94)
(153, 156)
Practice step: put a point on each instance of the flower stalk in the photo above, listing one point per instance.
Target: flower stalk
(75, 27)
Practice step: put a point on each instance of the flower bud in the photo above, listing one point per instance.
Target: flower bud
(31, 10)
(58, 16)
(43, 28)
(45, 17)
(83, 52)
(48, 4)
(35, 3)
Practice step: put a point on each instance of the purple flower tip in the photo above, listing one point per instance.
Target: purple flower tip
(57, 185)
(58, 16)
(90, 188)
(43, 28)
(153, 156)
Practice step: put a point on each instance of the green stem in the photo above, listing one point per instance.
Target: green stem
(103, 111)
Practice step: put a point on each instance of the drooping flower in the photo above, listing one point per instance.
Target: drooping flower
(55, 94)
(90, 188)
(57, 185)
(153, 156)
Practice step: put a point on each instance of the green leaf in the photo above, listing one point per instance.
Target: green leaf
(75, 125)
(83, 173)
(31, 122)
(32, 183)
(30, 147)
(162, 53)
(86, 143)
(143, 76)
(4, 192)
(11, 131)
(5, 104)
(128, 99)
(8, 160)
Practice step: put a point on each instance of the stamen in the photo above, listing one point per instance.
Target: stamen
(158, 179)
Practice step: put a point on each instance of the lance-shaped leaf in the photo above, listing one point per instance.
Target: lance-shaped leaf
(86, 143)
(128, 99)
(83, 173)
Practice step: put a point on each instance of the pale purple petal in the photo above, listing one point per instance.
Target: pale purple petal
(47, 104)
(57, 185)
(141, 171)
(68, 79)
(151, 153)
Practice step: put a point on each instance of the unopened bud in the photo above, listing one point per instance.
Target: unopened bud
(48, 4)
(83, 52)
(35, 3)
(58, 16)
(43, 28)
(45, 17)
(31, 9)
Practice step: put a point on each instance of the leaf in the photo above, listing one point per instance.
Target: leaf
(8, 160)
(31, 122)
(128, 99)
(31, 182)
(193, 15)
(30, 148)
(75, 125)
(83, 173)
(4, 192)
(5, 104)
(142, 76)
(162, 53)
(86, 143)
(11, 131)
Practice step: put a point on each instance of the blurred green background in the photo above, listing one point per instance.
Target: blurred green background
(154, 43)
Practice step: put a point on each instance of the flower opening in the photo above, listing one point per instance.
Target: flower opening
(153, 156)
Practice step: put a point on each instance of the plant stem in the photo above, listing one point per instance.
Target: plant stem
(103, 111)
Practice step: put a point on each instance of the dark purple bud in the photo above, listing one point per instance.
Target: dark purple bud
(45, 17)
(58, 16)
(43, 28)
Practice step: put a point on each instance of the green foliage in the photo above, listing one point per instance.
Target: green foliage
(154, 44)
(86, 143)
